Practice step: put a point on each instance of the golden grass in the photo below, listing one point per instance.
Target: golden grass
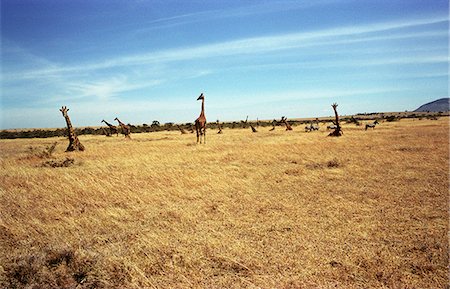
(269, 209)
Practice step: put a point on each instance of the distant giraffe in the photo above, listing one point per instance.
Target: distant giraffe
(74, 142)
(107, 133)
(284, 120)
(274, 122)
(219, 127)
(112, 128)
(181, 129)
(244, 123)
(337, 130)
(125, 128)
(200, 122)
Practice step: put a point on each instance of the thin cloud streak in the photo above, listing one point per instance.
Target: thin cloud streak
(205, 16)
(255, 45)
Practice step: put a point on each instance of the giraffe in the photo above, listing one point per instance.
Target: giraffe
(284, 120)
(112, 128)
(181, 129)
(219, 127)
(125, 129)
(253, 128)
(274, 122)
(337, 130)
(200, 122)
(244, 123)
(74, 142)
(107, 133)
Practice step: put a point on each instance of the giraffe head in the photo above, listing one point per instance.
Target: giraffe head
(64, 110)
(116, 119)
(201, 97)
(334, 105)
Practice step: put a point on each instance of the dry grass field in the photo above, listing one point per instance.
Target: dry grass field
(247, 210)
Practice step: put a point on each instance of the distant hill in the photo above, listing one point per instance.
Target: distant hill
(442, 104)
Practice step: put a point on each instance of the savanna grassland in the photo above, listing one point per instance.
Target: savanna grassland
(273, 209)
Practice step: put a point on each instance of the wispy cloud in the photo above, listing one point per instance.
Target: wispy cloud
(260, 8)
(105, 89)
(248, 46)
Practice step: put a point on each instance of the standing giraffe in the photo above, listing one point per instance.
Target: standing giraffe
(112, 128)
(337, 130)
(219, 127)
(74, 142)
(125, 128)
(284, 120)
(200, 122)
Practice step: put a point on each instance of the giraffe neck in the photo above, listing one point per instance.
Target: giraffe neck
(107, 123)
(69, 124)
(70, 130)
(203, 107)
(336, 115)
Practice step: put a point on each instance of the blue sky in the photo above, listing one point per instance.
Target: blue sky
(149, 60)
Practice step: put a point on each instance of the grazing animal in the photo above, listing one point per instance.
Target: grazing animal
(331, 126)
(200, 122)
(112, 128)
(372, 125)
(125, 129)
(74, 142)
(181, 129)
(253, 129)
(284, 120)
(311, 127)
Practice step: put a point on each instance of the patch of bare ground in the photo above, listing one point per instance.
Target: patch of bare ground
(269, 210)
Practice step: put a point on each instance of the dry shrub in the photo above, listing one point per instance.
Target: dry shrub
(334, 163)
(63, 268)
(35, 152)
(331, 164)
(67, 162)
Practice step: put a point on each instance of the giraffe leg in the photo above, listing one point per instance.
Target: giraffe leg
(196, 129)
(204, 135)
